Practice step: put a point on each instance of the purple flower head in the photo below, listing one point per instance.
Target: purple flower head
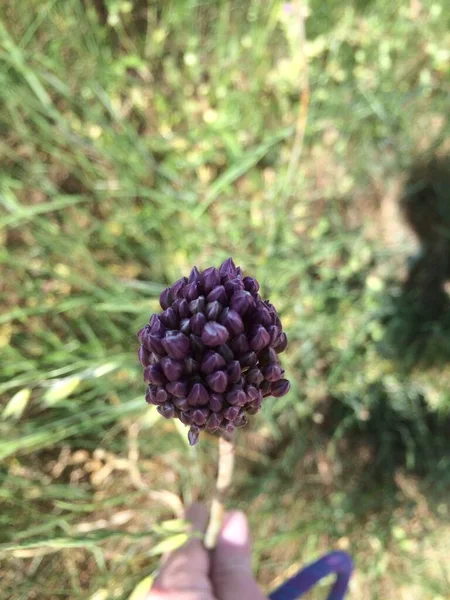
(212, 354)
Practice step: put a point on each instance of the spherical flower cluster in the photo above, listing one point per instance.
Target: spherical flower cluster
(211, 355)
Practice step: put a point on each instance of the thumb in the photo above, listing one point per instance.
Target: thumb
(185, 574)
(231, 569)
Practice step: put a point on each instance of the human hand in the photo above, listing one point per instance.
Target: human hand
(193, 573)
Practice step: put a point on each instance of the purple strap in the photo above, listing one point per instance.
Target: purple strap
(339, 563)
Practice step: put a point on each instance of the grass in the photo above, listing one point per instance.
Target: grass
(143, 137)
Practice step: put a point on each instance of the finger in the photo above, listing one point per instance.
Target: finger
(185, 574)
(231, 570)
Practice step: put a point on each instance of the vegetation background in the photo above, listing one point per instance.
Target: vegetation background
(308, 141)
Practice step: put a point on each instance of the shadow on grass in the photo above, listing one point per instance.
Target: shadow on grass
(401, 433)
(419, 329)
(412, 431)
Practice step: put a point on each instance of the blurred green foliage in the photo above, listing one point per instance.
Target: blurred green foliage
(140, 138)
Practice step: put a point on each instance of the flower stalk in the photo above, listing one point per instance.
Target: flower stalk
(224, 478)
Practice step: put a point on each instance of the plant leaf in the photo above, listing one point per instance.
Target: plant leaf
(16, 406)
(61, 390)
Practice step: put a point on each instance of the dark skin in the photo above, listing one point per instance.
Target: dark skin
(193, 573)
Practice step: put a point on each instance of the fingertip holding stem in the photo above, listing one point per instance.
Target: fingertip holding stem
(235, 531)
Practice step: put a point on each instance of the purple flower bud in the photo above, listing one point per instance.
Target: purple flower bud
(249, 359)
(228, 268)
(233, 285)
(153, 374)
(255, 376)
(194, 275)
(274, 318)
(181, 403)
(177, 388)
(157, 328)
(213, 422)
(252, 392)
(255, 404)
(165, 299)
(150, 393)
(229, 427)
(177, 287)
(265, 388)
(240, 421)
(158, 395)
(275, 333)
(144, 356)
(185, 326)
(200, 415)
(154, 344)
(214, 334)
(166, 410)
(193, 435)
(225, 352)
(182, 305)
(231, 413)
(186, 417)
(234, 371)
(241, 301)
(143, 333)
(260, 339)
(198, 396)
(212, 361)
(216, 402)
(236, 397)
(169, 318)
(190, 366)
(176, 344)
(240, 344)
(197, 347)
(217, 294)
(213, 310)
(261, 315)
(191, 291)
(172, 368)
(198, 322)
(272, 373)
(198, 305)
(154, 358)
(282, 343)
(233, 322)
(217, 381)
(280, 388)
(210, 279)
(251, 285)
(268, 356)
